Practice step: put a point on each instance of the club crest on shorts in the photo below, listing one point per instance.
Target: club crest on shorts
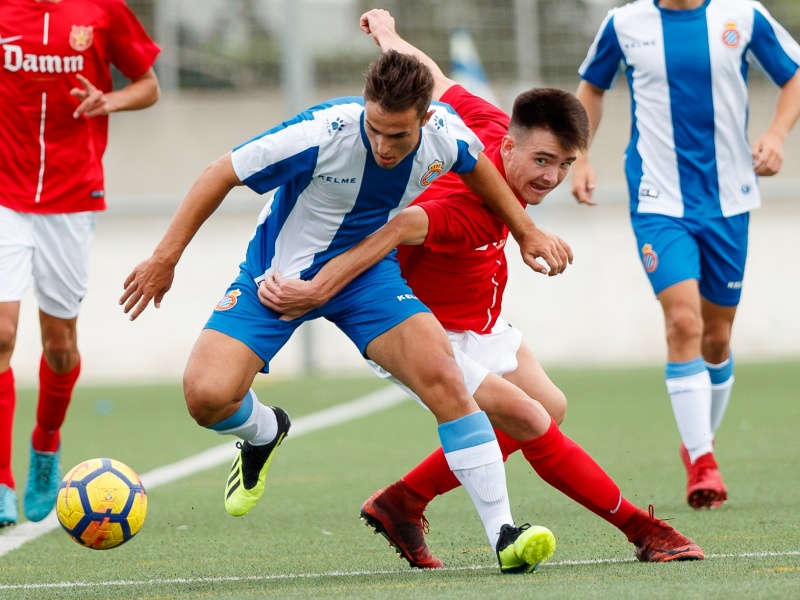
(731, 36)
(434, 171)
(81, 37)
(649, 258)
(228, 300)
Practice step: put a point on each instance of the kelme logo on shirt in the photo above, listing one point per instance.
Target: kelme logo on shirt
(731, 36)
(228, 300)
(649, 258)
(434, 171)
(81, 37)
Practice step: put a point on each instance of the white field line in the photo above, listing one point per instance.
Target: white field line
(15, 537)
(337, 574)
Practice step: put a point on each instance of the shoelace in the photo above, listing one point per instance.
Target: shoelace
(426, 527)
(44, 468)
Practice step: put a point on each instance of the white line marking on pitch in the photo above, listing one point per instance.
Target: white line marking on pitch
(385, 398)
(289, 576)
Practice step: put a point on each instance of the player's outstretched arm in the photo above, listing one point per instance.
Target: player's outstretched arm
(140, 93)
(152, 278)
(294, 297)
(380, 25)
(490, 186)
(768, 149)
(583, 174)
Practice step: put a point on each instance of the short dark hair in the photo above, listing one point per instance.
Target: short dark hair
(398, 82)
(555, 110)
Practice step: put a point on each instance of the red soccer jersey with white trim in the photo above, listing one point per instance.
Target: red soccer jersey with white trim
(460, 272)
(51, 162)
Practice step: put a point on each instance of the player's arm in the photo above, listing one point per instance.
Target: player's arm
(295, 297)
(583, 175)
(152, 278)
(380, 25)
(141, 92)
(768, 149)
(490, 186)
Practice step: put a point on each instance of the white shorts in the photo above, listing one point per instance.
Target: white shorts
(477, 354)
(52, 250)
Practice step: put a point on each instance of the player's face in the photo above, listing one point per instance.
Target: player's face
(535, 164)
(392, 135)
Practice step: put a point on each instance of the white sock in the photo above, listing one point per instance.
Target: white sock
(253, 422)
(486, 486)
(474, 456)
(691, 404)
(721, 387)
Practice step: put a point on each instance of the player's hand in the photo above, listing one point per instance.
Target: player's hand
(291, 297)
(94, 103)
(150, 280)
(377, 21)
(768, 154)
(540, 246)
(583, 181)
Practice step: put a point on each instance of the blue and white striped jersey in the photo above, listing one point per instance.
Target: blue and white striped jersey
(687, 73)
(331, 192)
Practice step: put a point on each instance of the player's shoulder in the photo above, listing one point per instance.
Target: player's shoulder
(331, 120)
(632, 11)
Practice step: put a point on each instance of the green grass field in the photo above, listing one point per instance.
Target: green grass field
(304, 539)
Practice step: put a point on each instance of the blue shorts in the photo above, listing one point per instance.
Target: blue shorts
(368, 306)
(711, 250)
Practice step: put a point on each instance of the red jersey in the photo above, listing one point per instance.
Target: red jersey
(460, 272)
(51, 162)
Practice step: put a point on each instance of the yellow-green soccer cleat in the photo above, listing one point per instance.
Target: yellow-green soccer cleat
(521, 549)
(249, 469)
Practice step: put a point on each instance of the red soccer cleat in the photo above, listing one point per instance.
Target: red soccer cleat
(704, 487)
(396, 512)
(656, 541)
(688, 464)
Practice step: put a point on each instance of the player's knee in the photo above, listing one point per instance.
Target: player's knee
(684, 324)
(557, 407)
(203, 400)
(61, 357)
(8, 338)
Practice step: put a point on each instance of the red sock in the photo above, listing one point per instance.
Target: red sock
(433, 477)
(8, 401)
(567, 467)
(55, 392)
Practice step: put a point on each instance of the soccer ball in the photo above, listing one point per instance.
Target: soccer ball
(101, 503)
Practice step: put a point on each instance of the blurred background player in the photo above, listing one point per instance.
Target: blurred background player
(457, 267)
(343, 169)
(56, 95)
(693, 179)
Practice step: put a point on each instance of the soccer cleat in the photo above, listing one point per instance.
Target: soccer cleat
(521, 549)
(396, 512)
(249, 469)
(8, 506)
(41, 489)
(687, 463)
(705, 488)
(656, 541)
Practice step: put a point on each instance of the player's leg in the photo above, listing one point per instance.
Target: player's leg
(530, 377)
(718, 324)
(671, 255)
(239, 340)
(61, 277)
(16, 263)
(9, 317)
(391, 327)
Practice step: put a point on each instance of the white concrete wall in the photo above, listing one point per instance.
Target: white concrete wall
(600, 311)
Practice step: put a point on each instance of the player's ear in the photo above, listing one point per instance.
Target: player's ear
(427, 118)
(507, 145)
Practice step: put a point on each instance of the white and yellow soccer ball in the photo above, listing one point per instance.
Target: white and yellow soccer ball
(101, 503)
